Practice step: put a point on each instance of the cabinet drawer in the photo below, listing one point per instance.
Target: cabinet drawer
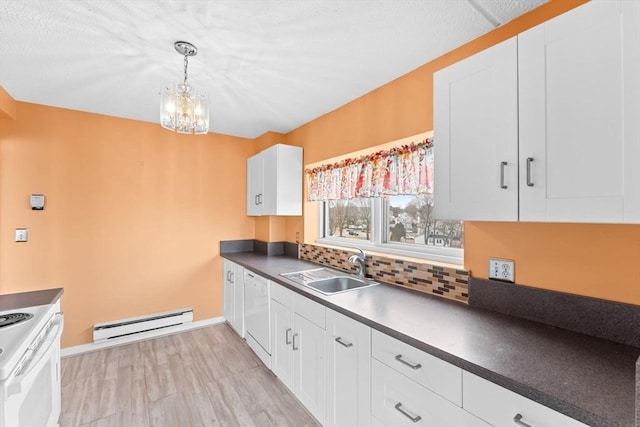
(498, 406)
(429, 371)
(310, 310)
(282, 295)
(397, 401)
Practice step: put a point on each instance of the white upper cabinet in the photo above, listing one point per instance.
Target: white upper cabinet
(544, 127)
(579, 116)
(254, 185)
(274, 181)
(476, 136)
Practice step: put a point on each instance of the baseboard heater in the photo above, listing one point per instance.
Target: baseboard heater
(136, 325)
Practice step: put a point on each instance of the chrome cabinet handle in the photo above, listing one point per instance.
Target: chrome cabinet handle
(287, 338)
(339, 340)
(518, 420)
(228, 276)
(294, 342)
(406, 414)
(232, 277)
(502, 184)
(529, 161)
(255, 200)
(411, 365)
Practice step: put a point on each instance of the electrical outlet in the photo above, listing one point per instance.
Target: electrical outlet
(502, 269)
(22, 235)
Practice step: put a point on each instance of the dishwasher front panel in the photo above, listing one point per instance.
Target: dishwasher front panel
(256, 309)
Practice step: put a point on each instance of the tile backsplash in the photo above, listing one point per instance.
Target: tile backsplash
(445, 282)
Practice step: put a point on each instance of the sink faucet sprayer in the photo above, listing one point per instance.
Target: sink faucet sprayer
(360, 260)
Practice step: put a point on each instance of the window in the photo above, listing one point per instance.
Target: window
(359, 205)
(402, 225)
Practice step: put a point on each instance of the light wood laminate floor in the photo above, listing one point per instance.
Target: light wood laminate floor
(205, 377)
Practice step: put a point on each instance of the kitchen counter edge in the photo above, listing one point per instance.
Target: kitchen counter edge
(21, 300)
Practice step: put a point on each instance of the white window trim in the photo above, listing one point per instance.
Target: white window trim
(453, 256)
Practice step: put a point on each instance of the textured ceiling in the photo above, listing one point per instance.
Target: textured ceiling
(266, 64)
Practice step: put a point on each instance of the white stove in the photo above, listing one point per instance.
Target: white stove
(16, 338)
(30, 366)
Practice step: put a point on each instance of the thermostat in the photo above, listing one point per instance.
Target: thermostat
(37, 202)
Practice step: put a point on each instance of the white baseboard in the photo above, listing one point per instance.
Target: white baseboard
(86, 348)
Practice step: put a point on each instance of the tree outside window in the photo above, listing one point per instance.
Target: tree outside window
(349, 219)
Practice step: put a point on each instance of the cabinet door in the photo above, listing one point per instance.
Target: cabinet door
(270, 181)
(309, 366)
(348, 372)
(476, 136)
(237, 279)
(254, 185)
(281, 347)
(579, 128)
(228, 291)
(282, 186)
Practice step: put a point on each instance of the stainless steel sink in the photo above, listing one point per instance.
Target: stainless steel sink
(339, 284)
(328, 281)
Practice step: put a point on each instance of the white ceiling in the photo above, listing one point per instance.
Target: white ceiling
(266, 64)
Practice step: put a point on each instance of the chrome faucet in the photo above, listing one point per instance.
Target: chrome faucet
(360, 260)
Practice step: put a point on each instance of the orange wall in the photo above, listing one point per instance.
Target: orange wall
(601, 261)
(597, 260)
(133, 219)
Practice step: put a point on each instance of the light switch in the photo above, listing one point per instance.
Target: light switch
(22, 234)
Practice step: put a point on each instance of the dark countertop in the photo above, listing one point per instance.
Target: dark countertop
(586, 378)
(30, 299)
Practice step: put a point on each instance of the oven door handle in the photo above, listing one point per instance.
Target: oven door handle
(52, 337)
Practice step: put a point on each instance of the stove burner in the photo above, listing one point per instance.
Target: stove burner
(13, 318)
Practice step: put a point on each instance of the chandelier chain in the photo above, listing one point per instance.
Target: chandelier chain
(186, 62)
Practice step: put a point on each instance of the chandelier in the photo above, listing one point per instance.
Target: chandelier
(183, 107)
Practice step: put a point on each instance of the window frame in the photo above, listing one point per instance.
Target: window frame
(377, 242)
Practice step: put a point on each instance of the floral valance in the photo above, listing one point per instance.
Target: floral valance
(407, 169)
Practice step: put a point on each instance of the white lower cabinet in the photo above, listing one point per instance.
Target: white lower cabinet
(233, 296)
(282, 334)
(309, 378)
(501, 407)
(397, 401)
(298, 347)
(348, 344)
(349, 375)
